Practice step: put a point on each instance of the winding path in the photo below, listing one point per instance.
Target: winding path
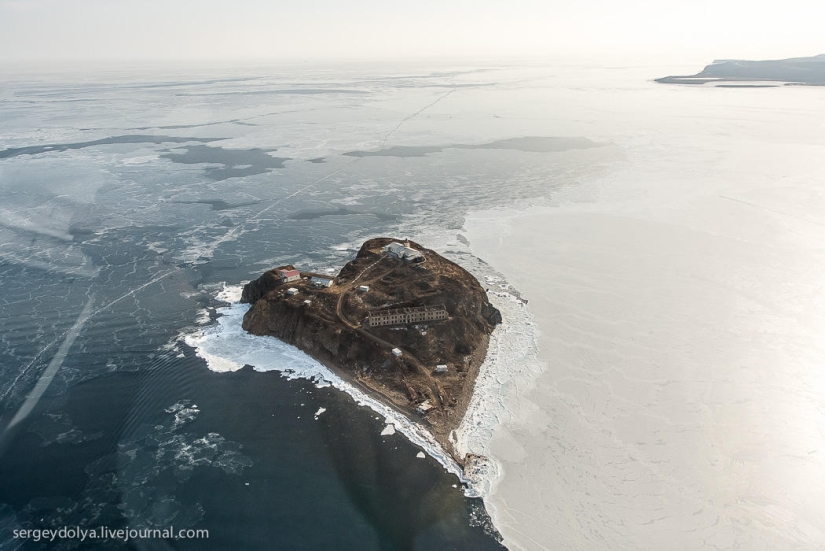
(339, 309)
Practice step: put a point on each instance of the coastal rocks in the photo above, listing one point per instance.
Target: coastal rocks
(436, 313)
(491, 314)
(255, 290)
(477, 468)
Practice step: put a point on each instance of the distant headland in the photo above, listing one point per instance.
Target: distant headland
(737, 73)
(403, 322)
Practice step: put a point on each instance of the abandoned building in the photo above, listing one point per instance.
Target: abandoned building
(403, 316)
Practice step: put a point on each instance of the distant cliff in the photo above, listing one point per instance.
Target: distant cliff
(398, 361)
(735, 72)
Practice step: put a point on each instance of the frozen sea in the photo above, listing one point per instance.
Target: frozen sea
(671, 345)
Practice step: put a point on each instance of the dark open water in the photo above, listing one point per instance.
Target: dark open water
(139, 194)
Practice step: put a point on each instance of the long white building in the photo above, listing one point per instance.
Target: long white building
(404, 316)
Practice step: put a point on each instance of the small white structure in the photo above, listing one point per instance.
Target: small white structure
(441, 368)
(325, 282)
(307, 302)
(396, 352)
(404, 252)
(424, 407)
(292, 291)
(363, 288)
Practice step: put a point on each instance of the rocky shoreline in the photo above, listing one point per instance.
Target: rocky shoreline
(402, 322)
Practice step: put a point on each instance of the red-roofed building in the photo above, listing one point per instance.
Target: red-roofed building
(289, 275)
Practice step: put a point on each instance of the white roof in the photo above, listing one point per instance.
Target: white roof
(401, 250)
(397, 351)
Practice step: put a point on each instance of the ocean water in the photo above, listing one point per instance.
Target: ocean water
(135, 202)
(132, 202)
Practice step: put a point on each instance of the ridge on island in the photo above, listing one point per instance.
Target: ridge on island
(401, 321)
(738, 73)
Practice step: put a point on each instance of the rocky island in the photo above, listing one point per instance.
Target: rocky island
(738, 73)
(401, 321)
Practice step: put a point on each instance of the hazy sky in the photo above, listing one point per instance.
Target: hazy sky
(260, 29)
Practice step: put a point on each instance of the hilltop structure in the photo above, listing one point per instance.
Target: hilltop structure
(404, 252)
(287, 275)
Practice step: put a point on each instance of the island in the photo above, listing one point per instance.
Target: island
(401, 321)
(737, 73)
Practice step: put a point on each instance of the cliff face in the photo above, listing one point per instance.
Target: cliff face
(317, 335)
(255, 290)
(799, 70)
(331, 325)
